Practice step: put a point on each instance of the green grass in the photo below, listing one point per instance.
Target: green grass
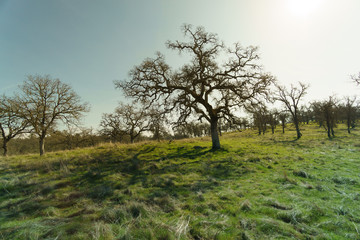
(256, 187)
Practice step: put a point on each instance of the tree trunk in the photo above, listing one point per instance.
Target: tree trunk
(157, 133)
(328, 128)
(298, 133)
(5, 147)
(132, 135)
(296, 123)
(42, 145)
(214, 134)
(328, 133)
(348, 125)
(264, 128)
(283, 127)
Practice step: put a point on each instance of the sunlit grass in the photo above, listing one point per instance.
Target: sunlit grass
(256, 187)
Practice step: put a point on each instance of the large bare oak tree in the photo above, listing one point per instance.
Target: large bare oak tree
(217, 80)
(46, 101)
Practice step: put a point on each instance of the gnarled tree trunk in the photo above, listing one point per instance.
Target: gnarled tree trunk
(42, 145)
(214, 134)
(5, 147)
(297, 127)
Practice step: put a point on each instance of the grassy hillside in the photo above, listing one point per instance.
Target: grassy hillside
(257, 187)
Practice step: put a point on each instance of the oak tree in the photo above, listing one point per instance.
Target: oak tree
(112, 127)
(326, 113)
(350, 111)
(272, 119)
(259, 115)
(291, 99)
(157, 123)
(128, 119)
(283, 116)
(216, 82)
(45, 102)
(11, 122)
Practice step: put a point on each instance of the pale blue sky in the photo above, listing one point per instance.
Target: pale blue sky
(88, 43)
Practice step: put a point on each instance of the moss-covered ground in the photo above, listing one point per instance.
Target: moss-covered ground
(256, 187)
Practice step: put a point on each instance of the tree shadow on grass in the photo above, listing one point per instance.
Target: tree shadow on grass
(153, 172)
(163, 178)
(287, 142)
(192, 153)
(99, 167)
(160, 175)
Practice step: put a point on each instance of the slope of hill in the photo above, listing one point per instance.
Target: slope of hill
(256, 187)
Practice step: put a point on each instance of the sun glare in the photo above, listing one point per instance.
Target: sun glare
(303, 8)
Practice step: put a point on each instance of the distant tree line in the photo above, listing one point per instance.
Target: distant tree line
(326, 113)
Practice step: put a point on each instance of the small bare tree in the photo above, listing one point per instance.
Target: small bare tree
(260, 115)
(283, 116)
(135, 119)
(306, 114)
(349, 110)
(157, 122)
(326, 114)
(11, 122)
(45, 102)
(127, 119)
(112, 127)
(272, 119)
(204, 87)
(291, 99)
(329, 108)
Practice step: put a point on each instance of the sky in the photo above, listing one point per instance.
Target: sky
(88, 44)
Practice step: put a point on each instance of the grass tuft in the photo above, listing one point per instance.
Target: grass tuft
(301, 173)
(246, 205)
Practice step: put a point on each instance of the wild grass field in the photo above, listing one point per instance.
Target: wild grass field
(256, 187)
